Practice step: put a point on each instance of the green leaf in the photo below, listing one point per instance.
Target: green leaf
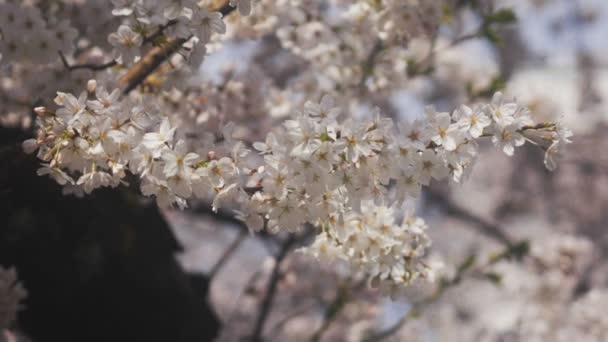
(492, 35)
(503, 16)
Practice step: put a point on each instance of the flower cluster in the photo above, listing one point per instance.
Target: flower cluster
(26, 36)
(389, 255)
(346, 177)
(93, 140)
(398, 19)
(11, 295)
(342, 175)
(173, 19)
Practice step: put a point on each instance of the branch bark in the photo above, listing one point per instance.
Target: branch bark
(138, 73)
(89, 66)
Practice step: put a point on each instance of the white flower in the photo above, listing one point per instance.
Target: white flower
(219, 171)
(72, 107)
(30, 146)
(325, 110)
(356, 143)
(508, 138)
(275, 181)
(178, 161)
(244, 6)
(94, 179)
(430, 165)
(123, 7)
(414, 134)
(126, 42)
(57, 174)
(155, 141)
(181, 185)
(503, 113)
(302, 132)
(177, 8)
(106, 103)
(560, 137)
(254, 221)
(226, 194)
(165, 198)
(205, 23)
(324, 249)
(442, 132)
(472, 121)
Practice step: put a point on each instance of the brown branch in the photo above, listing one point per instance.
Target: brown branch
(89, 66)
(138, 73)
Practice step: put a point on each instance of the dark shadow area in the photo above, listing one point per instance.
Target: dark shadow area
(100, 268)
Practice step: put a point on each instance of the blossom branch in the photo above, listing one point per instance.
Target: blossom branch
(149, 63)
(138, 73)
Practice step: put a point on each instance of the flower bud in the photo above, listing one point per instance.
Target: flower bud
(91, 86)
(43, 111)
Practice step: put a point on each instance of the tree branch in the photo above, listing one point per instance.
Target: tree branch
(333, 310)
(483, 226)
(89, 66)
(242, 235)
(138, 73)
(148, 64)
(266, 303)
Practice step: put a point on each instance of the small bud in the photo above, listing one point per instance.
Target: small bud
(43, 111)
(211, 155)
(91, 86)
(59, 99)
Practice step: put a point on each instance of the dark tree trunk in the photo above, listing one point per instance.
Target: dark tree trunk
(100, 268)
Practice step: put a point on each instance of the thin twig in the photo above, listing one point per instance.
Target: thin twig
(485, 227)
(266, 303)
(89, 66)
(343, 296)
(370, 61)
(159, 32)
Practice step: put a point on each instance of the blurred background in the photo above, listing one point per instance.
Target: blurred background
(111, 267)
